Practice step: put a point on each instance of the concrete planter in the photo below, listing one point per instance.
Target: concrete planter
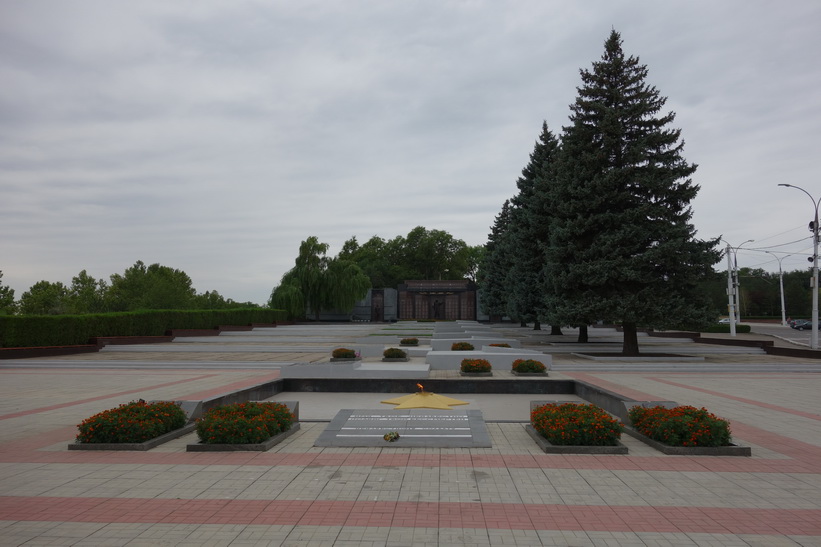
(147, 445)
(515, 373)
(731, 450)
(259, 447)
(344, 359)
(548, 448)
(395, 359)
(476, 373)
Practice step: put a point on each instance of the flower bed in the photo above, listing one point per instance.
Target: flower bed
(528, 366)
(684, 430)
(409, 342)
(478, 367)
(132, 426)
(344, 354)
(394, 354)
(501, 345)
(461, 346)
(244, 426)
(576, 428)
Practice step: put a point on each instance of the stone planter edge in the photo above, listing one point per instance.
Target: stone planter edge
(476, 373)
(147, 445)
(548, 448)
(732, 450)
(515, 373)
(258, 447)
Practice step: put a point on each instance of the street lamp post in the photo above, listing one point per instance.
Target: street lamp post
(814, 259)
(733, 284)
(781, 286)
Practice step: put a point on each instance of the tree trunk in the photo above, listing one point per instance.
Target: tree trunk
(537, 325)
(555, 330)
(582, 334)
(631, 339)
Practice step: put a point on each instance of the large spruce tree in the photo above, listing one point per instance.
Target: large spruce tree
(622, 247)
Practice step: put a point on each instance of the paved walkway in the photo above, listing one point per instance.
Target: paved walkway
(297, 494)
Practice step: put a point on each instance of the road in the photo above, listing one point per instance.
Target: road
(773, 329)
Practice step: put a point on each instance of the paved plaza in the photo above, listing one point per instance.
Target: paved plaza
(512, 493)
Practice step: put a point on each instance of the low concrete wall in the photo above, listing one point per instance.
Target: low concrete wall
(408, 385)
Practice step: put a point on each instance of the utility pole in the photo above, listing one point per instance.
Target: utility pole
(730, 290)
(814, 260)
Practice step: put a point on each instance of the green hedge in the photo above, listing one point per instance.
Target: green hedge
(739, 328)
(23, 331)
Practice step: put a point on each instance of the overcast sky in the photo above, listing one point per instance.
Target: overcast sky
(214, 136)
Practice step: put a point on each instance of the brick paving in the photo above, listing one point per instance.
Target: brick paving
(298, 494)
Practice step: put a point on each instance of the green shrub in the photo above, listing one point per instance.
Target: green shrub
(572, 424)
(528, 365)
(25, 331)
(681, 426)
(133, 422)
(244, 423)
(394, 353)
(461, 346)
(475, 365)
(725, 329)
(343, 353)
(409, 341)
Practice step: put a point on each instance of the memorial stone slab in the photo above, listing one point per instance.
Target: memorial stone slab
(427, 428)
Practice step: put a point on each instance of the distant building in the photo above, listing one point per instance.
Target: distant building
(446, 300)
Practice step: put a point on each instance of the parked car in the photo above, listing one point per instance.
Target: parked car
(801, 324)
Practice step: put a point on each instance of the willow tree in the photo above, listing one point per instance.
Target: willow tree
(318, 282)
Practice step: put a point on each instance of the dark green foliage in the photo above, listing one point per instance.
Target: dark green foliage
(495, 265)
(244, 423)
(761, 293)
(409, 341)
(528, 365)
(319, 283)
(44, 298)
(422, 254)
(622, 247)
(140, 287)
(134, 422)
(475, 365)
(739, 328)
(7, 304)
(153, 287)
(526, 239)
(68, 330)
(343, 353)
(572, 424)
(680, 426)
(394, 353)
(461, 346)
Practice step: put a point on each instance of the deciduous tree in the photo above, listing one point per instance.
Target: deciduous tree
(319, 282)
(7, 304)
(44, 298)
